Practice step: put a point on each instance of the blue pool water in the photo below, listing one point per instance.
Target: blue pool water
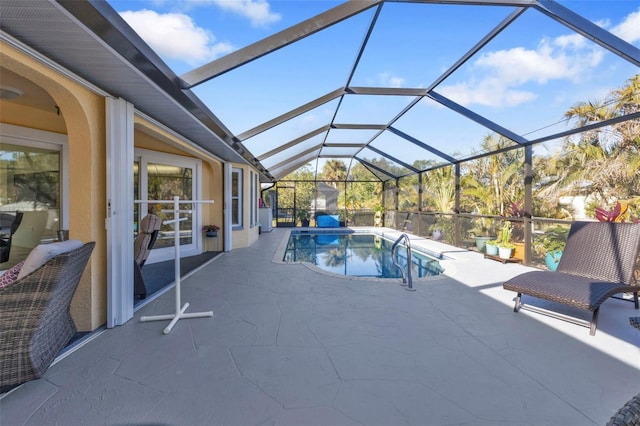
(362, 255)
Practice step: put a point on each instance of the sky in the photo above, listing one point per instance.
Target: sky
(524, 79)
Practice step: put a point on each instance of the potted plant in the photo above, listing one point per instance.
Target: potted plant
(378, 216)
(551, 245)
(491, 247)
(303, 216)
(210, 230)
(505, 246)
(482, 235)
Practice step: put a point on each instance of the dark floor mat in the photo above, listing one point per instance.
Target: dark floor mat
(159, 275)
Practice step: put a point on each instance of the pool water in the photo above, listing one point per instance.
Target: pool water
(361, 255)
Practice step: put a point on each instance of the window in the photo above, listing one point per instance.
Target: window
(253, 191)
(33, 182)
(255, 197)
(236, 198)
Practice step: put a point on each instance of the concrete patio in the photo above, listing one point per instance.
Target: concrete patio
(290, 346)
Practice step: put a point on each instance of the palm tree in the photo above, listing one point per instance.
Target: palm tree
(606, 161)
(334, 171)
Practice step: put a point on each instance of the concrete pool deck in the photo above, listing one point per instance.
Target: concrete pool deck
(290, 346)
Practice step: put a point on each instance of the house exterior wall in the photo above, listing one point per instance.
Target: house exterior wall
(82, 119)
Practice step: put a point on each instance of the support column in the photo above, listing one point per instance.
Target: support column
(119, 214)
(528, 202)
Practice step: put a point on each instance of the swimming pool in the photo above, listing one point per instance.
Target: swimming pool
(355, 254)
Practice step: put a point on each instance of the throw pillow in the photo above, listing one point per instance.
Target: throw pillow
(10, 275)
(42, 253)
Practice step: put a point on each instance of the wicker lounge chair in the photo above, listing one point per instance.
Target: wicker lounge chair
(628, 414)
(5, 240)
(35, 322)
(597, 263)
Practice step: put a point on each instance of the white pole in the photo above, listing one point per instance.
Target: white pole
(180, 311)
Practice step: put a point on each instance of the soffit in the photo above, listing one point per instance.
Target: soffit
(142, 79)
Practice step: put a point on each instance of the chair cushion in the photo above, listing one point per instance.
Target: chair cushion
(141, 247)
(150, 223)
(11, 275)
(42, 253)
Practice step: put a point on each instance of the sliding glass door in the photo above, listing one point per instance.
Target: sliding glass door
(160, 177)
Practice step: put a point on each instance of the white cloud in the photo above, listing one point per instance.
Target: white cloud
(501, 74)
(257, 11)
(388, 80)
(629, 29)
(175, 36)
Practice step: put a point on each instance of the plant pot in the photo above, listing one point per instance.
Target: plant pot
(482, 241)
(504, 252)
(211, 233)
(436, 235)
(304, 223)
(492, 250)
(518, 252)
(552, 259)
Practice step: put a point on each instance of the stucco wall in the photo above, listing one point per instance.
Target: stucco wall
(82, 115)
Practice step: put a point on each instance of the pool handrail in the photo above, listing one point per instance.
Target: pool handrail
(406, 277)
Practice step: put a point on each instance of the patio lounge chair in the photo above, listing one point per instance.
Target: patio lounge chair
(146, 238)
(628, 414)
(35, 322)
(597, 263)
(12, 222)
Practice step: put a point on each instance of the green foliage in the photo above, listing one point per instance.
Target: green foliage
(554, 239)
(504, 237)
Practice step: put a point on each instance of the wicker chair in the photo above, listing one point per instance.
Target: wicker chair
(35, 322)
(628, 414)
(598, 262)
(5, 240)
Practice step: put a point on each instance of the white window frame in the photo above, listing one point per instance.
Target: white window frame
(32, 138)
(239, 197)
(145, 156)
(252, 218)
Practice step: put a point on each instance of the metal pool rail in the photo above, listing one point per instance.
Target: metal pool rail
(406, 276)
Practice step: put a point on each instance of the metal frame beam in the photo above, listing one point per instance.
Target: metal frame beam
(422, 145)
(282, 172)
(590, 30)
(293, 142)
(275, 42)
(374, 167)
(477, 118)
(392, 158)
(291, 114)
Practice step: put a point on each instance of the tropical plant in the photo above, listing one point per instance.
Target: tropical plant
(617, 214)
(334, 171)
(303, 214)
(553, 240)
(504, 237)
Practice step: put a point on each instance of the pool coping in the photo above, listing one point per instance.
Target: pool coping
(387, 233)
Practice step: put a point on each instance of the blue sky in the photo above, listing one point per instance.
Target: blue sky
(524, 79)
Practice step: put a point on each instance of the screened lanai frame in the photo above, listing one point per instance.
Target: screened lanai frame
(318, 142)
(355, 126)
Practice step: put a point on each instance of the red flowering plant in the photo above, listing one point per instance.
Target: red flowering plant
(619, 213)
(210, 228)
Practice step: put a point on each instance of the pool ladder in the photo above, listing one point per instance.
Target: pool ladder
(406, 275)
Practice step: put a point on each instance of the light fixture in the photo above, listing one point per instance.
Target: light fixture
(8, 93)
